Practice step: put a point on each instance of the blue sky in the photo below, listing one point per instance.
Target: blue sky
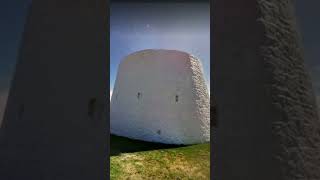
(178, 26)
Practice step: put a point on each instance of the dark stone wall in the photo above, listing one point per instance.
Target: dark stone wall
(55, 124)
(267, 122)
(297, 133)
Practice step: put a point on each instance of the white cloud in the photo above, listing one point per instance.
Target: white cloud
(110, 94)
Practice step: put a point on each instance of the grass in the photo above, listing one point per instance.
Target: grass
(132, 159)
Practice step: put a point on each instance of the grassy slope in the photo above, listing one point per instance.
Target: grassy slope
(131, 159)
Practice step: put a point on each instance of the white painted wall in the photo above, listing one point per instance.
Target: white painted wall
(159, 76)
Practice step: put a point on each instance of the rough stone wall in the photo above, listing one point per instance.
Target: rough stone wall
(201, 96)
(297, 132)
(55, 124)
(267, 124)
(144, 104)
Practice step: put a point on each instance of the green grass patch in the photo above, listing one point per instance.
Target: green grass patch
(132, 159)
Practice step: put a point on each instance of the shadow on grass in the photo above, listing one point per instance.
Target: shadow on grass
(120, 145)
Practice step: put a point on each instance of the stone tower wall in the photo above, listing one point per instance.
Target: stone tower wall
(55, 121)
(268, 127)
(161, 96)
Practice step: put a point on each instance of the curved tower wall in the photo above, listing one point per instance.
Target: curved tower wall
(161, 96)
(55, 123)
(268, 126)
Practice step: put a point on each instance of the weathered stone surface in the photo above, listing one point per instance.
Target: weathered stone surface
(268, 127)
(296, 133)
(55, 121)
(161, 96)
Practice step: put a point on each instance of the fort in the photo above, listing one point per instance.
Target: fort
(161, 96)
(266, 126)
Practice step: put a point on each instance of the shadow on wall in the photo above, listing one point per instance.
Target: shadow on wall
(3, 102)
(120, 145)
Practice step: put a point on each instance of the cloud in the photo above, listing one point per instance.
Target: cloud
(110, 94)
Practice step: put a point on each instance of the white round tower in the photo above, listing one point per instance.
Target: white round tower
(161, 96)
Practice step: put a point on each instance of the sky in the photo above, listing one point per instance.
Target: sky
(308, 15)
(133, 29)
(177, 26)
(12, 19)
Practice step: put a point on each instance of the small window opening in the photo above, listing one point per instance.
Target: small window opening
(177, 98)
(139, 95)
(92, 107)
